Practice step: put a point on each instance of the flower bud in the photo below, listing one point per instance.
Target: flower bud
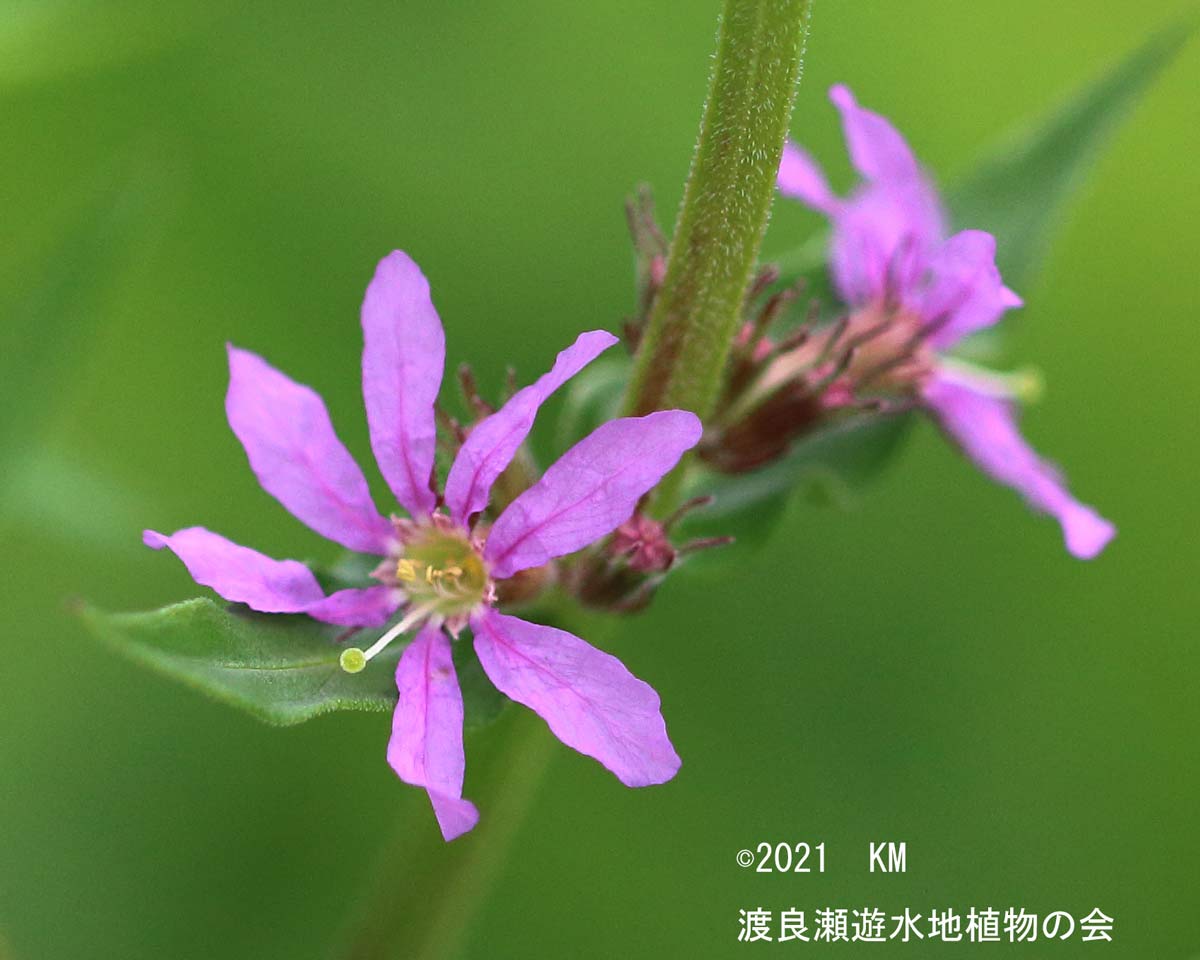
(624, 572)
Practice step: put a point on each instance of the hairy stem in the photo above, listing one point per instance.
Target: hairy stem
(725, 208)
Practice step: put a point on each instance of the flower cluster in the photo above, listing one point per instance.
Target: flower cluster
(912, 294)
(441, 567)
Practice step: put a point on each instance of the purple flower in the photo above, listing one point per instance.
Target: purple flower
(440, 566)
(916, 293)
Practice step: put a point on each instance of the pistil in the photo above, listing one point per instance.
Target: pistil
(353, 660)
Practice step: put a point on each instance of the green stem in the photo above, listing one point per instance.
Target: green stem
(725, 208)
(426, 893)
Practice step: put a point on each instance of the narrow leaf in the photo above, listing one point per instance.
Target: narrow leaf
(1021, 185)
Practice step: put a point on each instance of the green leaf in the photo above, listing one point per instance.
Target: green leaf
(1020, 187)
(282, 669)
(825, 468)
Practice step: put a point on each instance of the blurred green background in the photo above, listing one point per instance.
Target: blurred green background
(929, 667)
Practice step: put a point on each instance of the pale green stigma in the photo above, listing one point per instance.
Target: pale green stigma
(352, 660)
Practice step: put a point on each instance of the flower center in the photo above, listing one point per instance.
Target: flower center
(443, 576)
(441, 570)
(891, 352)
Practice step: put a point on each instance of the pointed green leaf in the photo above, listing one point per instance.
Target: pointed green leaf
(1020, 187)
(282, 669)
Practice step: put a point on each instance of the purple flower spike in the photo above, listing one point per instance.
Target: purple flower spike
(914, 292)
(440, 569)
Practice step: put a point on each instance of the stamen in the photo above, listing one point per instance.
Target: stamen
(785, 372)
(705, 543)
(684, 509)
(906, 353)
(470, 392)
(839, 368)
(758, 286)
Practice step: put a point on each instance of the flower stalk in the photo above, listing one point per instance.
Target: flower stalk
(726, 205)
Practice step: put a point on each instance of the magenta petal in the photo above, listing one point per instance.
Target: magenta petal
(426, 747)
(800, 177)
(455, 815)
(494, 441)
(896, 213)
(368, 607)
(964, 292)
(877, 149)
(867, 232)
(986, 429)
(590, 491)
(404, 351)
(240, 574)
(298, 458)
(588, 698)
